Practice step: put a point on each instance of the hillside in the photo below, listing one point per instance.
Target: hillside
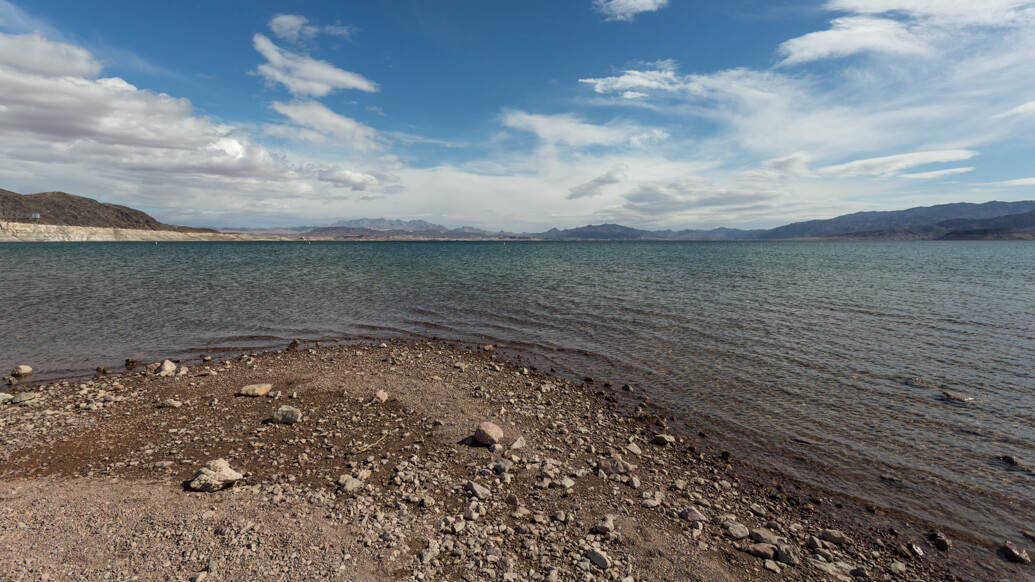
(1009, 227)
(61, 209)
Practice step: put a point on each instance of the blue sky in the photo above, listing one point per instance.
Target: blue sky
(652, 113)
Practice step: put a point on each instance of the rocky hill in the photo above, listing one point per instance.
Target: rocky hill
(61, 209)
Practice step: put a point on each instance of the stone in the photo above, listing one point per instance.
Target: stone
(166, 368)
(598, 558)
(287, 415)
(24, 397)
(349, 483)
(604, 526)
(663, 439)
(788, 554)
(764, 536)
(213, 476)
(488, 434)
(21, 371)
(1015, 554)
(772, 566)
(518, 444)
(460, 366)
(170, 403)
(634, 449)
(614, 465)
(764, 551)
(834, 536)
(956, 396)
(255, 390)
(381, 396)
(501, 466)
(734, 530)
(939, 540)
(5, 397)
(480, 491)
(692, 514)
(897, 568)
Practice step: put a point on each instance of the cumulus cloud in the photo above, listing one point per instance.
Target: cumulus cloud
(568, 129)
(305, 76)
(295, 28)
(851, 35)
(31, 53)
(626, 10)
(891, 165)
(595, 186)
(317, 123)
(342, 178)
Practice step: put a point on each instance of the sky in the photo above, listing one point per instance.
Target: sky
(519, 116)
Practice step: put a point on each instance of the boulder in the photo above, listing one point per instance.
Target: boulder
(255, 390)
(488, 434)
(166, 368)
(213, 476)
(287, 415)
(21, 371)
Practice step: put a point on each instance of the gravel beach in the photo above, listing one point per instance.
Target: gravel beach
(415, 461)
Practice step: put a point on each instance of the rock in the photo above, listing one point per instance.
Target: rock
(10, 380)
(287, 415)
(213, 476)
(1015, 554)
(757, 510)
(21, 371)
(772, 566)
(614, 465)
(860, 573)
(166, 368)
(460, 366)
(956, 396)
(734, 530)
(764, 536)
(634, 449)
(5, 397)
(488, 434)
(598, 558)
(692, 514)
(663, 439)
(24, 397)
(480, 491)
(897, 568)
(349, 483)
(501, 466)
(518, 444)
(381, 396)
(430, 553)
(1011, 460)
(170, 403)
(605, 526)
(764, 551)
(939, 540)
(788, 554)
(255, 390)
(834, 536)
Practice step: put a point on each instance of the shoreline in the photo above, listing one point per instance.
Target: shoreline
(423, 378)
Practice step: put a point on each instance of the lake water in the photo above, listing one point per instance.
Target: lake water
(797, 352)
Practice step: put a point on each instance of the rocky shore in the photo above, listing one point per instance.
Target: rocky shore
(416, 461)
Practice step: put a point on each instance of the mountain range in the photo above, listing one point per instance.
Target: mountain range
(957, 221)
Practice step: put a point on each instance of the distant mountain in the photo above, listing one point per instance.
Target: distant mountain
(63, 209)
(1010, 227)
(386, 224)
(860, 222)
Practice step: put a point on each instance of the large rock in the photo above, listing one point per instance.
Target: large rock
(215, 475)
(5, 397)
(167, 368)
(255, 390)
(735, 530)
(287, 415)
(835, 536)
(488, 434)
(21, 371)
(23, 397)
(614, 465)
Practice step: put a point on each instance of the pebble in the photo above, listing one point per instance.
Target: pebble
(287, 415)
(213, 476)
(381, 396)
(480, 491)
(170, 403)
(255, 390)
(488, 434)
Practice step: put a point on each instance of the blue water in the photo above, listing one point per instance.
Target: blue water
(797, 352)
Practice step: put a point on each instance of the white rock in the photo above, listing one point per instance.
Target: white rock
(5, 397)
(215, 475)
(20, 371)
(168, 368)
(287, 415)
(255, 390)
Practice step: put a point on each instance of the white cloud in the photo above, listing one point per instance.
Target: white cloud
(31, 53)
(570, 130)
(305, 76)
(983, 12)
(851, 35)
(1023, 109)
(891, 165)
(937, 173)
(626, 10)
(295, 28)
(595, 186)
(342, 178)
(317, 124)
(692, 193)
(1010, 183)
